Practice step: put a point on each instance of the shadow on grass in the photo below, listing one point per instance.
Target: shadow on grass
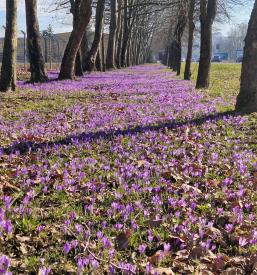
(30, 146)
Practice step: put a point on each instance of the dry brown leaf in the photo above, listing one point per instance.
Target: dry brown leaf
(158, 256)
(23, 249)
(123, 240)
(233, 271)
(154, 223)
(206, 272)
(163, 271)
(197, 253)
(22, 239)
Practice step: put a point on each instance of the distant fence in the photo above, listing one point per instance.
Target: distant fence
(53, 48)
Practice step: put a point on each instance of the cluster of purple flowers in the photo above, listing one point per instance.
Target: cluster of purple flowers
(127, 164)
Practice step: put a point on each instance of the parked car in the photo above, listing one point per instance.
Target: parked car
(239, 59)
(216, 58)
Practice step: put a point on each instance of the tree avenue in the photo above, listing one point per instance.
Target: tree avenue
(128, 145)
(132, 26)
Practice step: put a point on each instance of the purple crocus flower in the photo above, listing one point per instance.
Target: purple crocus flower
(243, 241)
(95, 264)
(44, 270)
(106, 243)
(142, 248)
(66, 248)
(229, 227)
(4, 264)
(166, 247)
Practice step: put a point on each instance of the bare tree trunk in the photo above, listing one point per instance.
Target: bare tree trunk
(191, 28)
(172, 53)
(37, 64)
(177, 41)
(84, 49)
(119, 35)
(78, 64)
(166, 57)
(98, 61)
(208, 12)
(247, 98)
(68, 63)
(128, 53)
(110, 60)
(75, 12)
(125, 34)
(99, 21)
(8, 70)
(103, 53)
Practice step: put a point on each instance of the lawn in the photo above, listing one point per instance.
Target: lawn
(127, 172)
(224, 81)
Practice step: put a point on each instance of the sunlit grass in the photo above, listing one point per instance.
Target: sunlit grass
(224, 80)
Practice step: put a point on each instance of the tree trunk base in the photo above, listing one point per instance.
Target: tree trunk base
(66, 77)
(38, 79)
(246, 104)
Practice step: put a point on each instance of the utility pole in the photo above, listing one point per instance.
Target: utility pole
(24, 50)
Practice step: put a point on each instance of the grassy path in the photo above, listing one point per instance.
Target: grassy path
(127, 171)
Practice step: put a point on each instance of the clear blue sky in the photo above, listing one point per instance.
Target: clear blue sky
(240, 14)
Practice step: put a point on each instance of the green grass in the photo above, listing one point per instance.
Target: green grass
(224, 80)
(54, 208)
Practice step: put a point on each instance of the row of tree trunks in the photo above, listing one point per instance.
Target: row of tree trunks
(127, 43)
(8, 69)
(83, 10)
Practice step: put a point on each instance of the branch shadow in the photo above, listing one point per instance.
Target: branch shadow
(30, 146)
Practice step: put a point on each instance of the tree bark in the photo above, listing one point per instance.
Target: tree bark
(68, 63)
(191, 28)
(207, 15)
(8, 70)
(128, 52)
(103, 53)
(247, 98)
(78, 64)
(125, 34)
(99, 21)
(177, 41)
(98, 61)
(84, 49)
(110, 59)
(36, 59)
(119, 35)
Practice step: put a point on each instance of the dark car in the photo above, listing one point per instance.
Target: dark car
(239, 59)
(216, 58)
